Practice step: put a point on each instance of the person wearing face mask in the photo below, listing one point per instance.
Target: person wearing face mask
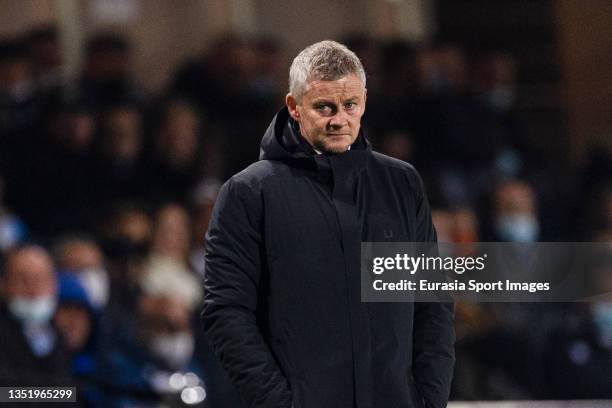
(515, 213)
(83, 258)
(30, 350)
(150, 358)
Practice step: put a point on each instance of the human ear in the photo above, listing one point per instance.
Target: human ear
(292, 107)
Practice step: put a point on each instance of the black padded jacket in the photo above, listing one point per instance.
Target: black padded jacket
(282, 306)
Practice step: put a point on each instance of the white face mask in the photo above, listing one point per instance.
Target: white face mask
(33, 310)
(517, 228)
(96, 283)
(175, 349)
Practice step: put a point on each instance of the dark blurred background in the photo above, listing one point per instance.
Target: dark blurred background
(120, 119)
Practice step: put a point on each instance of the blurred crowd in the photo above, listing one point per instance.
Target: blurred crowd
(106, 192)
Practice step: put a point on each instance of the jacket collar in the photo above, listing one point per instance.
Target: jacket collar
(282, 141)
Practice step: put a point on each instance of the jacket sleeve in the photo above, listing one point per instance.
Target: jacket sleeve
(434, 333)
(232, 278)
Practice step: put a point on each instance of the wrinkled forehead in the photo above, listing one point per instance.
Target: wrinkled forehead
(347, 87)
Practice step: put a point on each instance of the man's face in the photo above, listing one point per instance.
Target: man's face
(329, 113)
(79, 255)
(74, 322)
(171, 236)
(29, 274)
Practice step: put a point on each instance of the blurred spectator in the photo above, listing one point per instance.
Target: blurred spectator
(15, 73)
(45, 55)
(456, 226)
(31, 351)
(495, 84)
(74, 317)
(266, 82)
(76, 320)
(82, 258)
(126, 231)
(150, 360)
(106, 76)
(495, 81)
(515, 212)
(19, 116)
(172, 233)
(120, 170)
(442, 69)
(125, 235)
(58, 189)
(174, 160)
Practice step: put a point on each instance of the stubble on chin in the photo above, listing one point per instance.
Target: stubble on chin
(322, 146)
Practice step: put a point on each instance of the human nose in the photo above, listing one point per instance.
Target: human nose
(338, 121)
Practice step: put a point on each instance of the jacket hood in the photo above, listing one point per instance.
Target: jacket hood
(282, 141)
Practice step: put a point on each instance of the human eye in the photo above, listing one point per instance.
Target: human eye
(323, 108)
(350, 105)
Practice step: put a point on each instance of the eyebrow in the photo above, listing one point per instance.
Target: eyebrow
(330, 102)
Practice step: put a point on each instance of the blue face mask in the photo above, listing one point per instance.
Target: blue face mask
(602, 320)
(517, 228)
(33, 310)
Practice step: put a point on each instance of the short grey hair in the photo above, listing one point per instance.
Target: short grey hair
(324, 61)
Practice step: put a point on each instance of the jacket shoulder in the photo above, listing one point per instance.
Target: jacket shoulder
(251, 179)
(255, 174)
(393, 164)
(388, 161)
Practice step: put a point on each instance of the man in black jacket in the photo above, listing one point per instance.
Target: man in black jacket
(282, 289)
(30, 349)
